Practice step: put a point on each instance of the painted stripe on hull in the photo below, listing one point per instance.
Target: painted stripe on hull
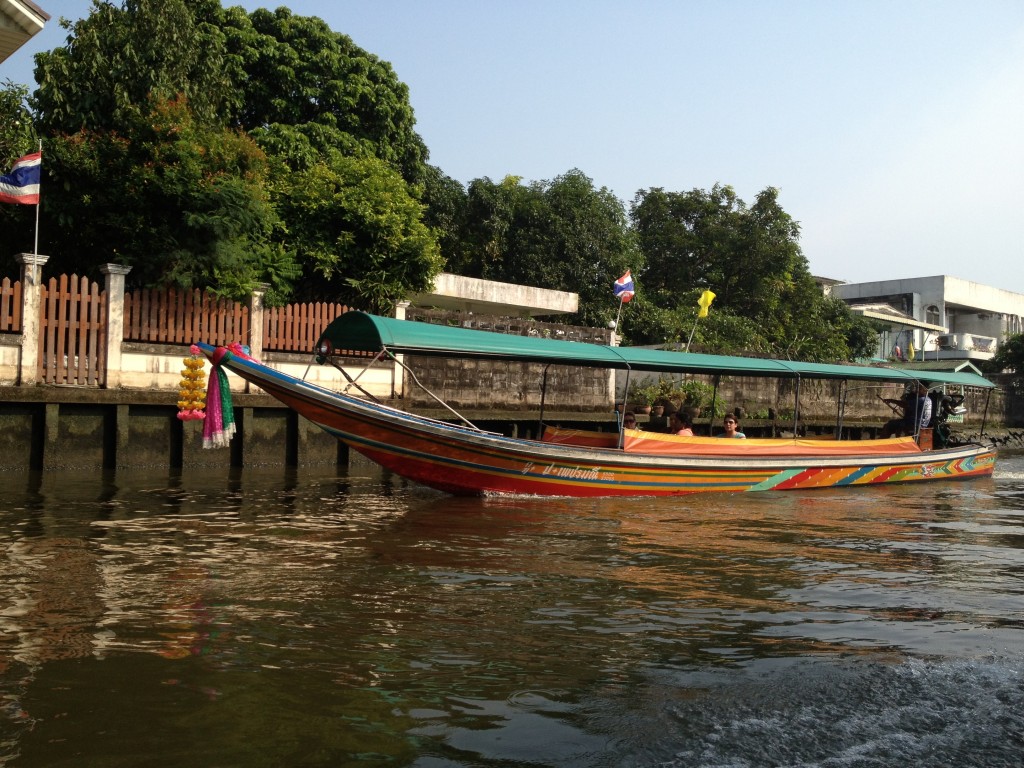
(459, 474)
(650, 481)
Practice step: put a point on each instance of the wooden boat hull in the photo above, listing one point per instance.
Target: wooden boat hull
(464, 461)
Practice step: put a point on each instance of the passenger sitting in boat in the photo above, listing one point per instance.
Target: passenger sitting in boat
(732, 428)
(629, 420)
(679, 424)
(917, 412)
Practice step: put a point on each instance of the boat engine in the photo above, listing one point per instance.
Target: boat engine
(944, 406)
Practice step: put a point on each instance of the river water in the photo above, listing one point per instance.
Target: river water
(327, 617)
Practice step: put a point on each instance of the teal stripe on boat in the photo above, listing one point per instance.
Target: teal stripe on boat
(855, 476)
(774, 480)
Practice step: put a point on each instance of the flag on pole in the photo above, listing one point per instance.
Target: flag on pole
(21, 185)
(704, 302)
(624, 287)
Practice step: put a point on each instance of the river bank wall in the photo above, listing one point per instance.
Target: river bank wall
(57, 428)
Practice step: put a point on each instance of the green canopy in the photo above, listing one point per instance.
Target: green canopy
(361, 332)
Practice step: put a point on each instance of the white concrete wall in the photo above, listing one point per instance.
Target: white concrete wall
(490, 297)
(10, 359)
(149, 370)
(161, 370)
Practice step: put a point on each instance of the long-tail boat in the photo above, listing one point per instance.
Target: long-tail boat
(457, 457)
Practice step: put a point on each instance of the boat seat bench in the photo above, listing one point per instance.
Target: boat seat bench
(646, 442)
(637, 441)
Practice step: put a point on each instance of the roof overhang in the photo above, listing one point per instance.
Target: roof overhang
(888, 314)
(20, 20)
(944, 366)
(361, 332)
(469, 294)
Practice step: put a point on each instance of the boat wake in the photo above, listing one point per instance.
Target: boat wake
(921, 713)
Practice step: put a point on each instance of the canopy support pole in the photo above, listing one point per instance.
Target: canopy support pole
(796, 408)
(351, 381)
(620, 416)
(841, 412)
(714, 406)
(441, 402)
(543, 397)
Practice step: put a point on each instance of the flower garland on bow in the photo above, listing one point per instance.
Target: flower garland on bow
(191, 398)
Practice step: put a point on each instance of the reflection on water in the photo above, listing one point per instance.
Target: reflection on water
(321, 618)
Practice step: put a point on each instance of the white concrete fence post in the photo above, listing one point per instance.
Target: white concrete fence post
(31, 296)
(257, 309)
(256, 312)
(114, 288)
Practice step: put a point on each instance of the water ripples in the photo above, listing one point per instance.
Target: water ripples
(356, 619)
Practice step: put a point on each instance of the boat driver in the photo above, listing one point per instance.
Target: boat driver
(917, 413)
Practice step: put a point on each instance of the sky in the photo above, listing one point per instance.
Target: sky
(893, 129)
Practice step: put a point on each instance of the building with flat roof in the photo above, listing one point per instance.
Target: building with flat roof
(939, 317)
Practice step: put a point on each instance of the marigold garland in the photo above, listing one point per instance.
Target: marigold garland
(191, 394)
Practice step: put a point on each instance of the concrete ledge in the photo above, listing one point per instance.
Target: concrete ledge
(470, 294)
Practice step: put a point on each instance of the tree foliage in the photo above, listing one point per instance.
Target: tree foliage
(189, 140)
(360, 233)
(17, 130)
(1009, 358)
(562, 234)
(294, 72)
(188, 206)
(767, 300)
(445, 209)
(122, 60)
(17, 138)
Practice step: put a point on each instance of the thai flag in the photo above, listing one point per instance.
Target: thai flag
(21, 185)
(624, 287)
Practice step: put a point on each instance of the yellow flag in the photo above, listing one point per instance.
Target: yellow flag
(911, 351)
(704, 302)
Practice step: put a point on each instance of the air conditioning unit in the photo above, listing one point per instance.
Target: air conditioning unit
(949, 341)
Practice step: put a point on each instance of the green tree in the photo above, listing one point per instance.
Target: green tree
(295, 71)
(17, 129)
(359, 233)
(1009, 357)
(121, 61)
(182, 136)
(750, 257)
(445, 202)
(181, 203)
(767, 300)
(592, 241)
(490, 209)
(562, 234)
